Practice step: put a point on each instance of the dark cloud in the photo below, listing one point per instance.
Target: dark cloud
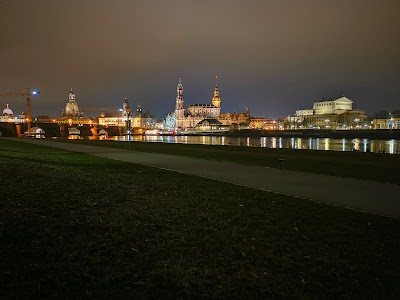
(271, 56)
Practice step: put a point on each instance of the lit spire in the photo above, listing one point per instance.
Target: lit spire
(180, 87)
(216, 100)
(71, 95)
(216, 91)
(179, 97)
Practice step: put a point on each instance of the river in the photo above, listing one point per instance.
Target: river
(313, 143)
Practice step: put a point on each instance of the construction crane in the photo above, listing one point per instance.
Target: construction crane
(26, 92)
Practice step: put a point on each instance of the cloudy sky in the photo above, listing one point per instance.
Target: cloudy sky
(272, 56)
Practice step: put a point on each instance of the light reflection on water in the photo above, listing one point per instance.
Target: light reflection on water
(362, 145)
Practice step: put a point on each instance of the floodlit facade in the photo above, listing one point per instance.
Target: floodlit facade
(72, 115)
(71, 110)
(235, 118)
(335, 106)
(263, 123)
(332, 106)
(335, 113)
(8, 116)
(188, 118)
(304, 112)
(390, 123)
(169, 121)
(137, 119)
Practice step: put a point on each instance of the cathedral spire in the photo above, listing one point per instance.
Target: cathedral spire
(180, 86)
(179, 95)
(179, 108)
(216, 100)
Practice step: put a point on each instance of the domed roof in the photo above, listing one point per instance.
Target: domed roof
(71, 108)
(7, 110)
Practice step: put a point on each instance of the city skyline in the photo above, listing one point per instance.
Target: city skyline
(272, 58)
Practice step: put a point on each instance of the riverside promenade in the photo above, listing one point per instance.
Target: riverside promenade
(362, 195)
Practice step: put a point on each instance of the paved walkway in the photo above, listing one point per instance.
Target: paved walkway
(363, 195)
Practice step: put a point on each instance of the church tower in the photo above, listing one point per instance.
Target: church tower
(71, 108)
(71, 96)
(216, 100)
(179, 109)
(126, 111)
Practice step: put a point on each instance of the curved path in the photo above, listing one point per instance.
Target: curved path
(363, 195)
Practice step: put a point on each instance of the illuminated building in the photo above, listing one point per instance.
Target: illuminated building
(72, 115)
(263, 123)
(8, 116)
(335, 106)
(169, 121)
(242, 118)
(195, 113)
(188, 118)
(392, 122)
(335, 113)
(71, 108)
(138, 119)
(7, 111)
(211, 125)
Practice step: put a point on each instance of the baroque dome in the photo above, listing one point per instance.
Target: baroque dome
(8, 111)
(71, 108)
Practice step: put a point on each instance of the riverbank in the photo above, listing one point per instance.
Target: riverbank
(383, 134)
(358, 165)
(53, 130)
(76, 225)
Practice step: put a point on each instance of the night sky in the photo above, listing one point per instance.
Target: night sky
(271, 56)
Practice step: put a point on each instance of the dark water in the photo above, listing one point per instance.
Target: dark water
(362, 145)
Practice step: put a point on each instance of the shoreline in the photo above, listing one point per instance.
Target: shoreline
(53, 130)
(382, 134)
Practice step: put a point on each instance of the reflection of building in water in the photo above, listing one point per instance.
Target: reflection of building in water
(326, 145)
(391, 146)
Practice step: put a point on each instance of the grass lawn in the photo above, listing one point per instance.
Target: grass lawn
(76, 226)
(370, 166)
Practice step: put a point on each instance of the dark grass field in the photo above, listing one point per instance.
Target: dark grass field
(79, 226)
(370, 166)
